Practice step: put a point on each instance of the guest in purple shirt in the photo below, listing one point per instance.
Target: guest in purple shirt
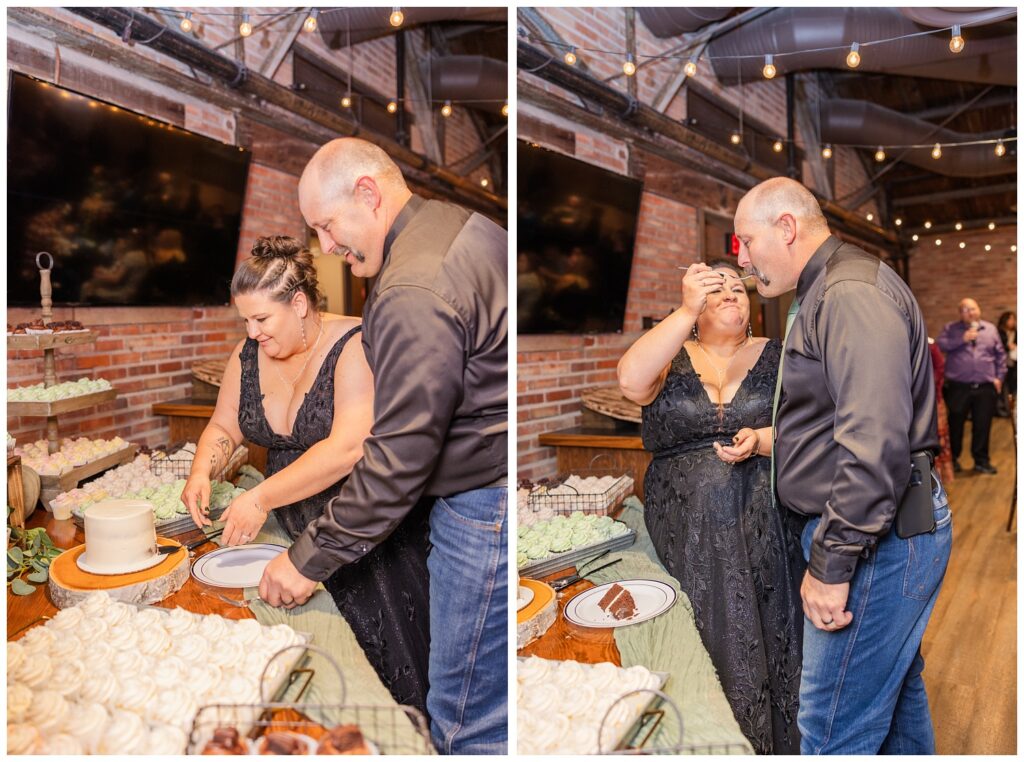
(975, 367)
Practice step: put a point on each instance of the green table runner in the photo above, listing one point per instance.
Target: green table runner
(377, 713)
(670, 643)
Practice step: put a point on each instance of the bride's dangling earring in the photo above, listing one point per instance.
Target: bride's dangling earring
(750, 331)
(302, 329)
(696, 334)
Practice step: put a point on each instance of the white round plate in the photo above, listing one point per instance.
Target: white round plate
(525, 596)
(237, 566)
(83, 564)
(652, 598)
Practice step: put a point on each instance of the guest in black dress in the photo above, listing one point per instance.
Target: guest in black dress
(707, 388)
(299, 385)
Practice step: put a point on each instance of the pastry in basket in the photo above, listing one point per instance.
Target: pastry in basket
(344, 739)
(225, 741)
(284, 743)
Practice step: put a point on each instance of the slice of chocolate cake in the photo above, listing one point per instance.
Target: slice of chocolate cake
(618, 603)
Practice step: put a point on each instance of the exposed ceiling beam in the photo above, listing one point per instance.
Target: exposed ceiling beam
(282, 45)
(952, 195)
(994, 100)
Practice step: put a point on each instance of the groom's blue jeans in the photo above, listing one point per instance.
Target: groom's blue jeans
(468, 695)
(861, 691)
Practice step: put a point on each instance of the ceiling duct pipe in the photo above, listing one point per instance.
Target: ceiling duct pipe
(468, 79)
(990, 56)
(188, 50)
(672, 22)
(845, 120)
(339, 25)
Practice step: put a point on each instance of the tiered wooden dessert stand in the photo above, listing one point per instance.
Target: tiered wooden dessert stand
(48, 343)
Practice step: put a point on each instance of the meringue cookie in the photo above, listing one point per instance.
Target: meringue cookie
(117, 613)
(136, 693)
(214, 627)
(66, 648)
(166, 739)
(96, 604)
(34, 670)
(48, 710)
(247, 631)
(91, 630)
(22, 739)
(68, 677)
(192, 647)
(176, 707)
(100, 687)
(19, 699)
(127, 664)
(38, 640)
(66, 620)
(543, 699)
(62, 743)
(125, 734)
(178, 622)
(172, 671)
(15, 657)
(86, 721)
(122, 637)
(156, 642)
(203, 679)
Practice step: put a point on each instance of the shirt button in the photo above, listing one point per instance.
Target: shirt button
(363, 547)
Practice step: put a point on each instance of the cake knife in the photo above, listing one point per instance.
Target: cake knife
(168, 549)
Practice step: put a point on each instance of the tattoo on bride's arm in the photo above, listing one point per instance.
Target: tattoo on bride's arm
(222, 454)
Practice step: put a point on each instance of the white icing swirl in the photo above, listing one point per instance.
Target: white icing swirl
(19, 699)
(63, 744)
(127, 664)
(122, 637)
(96, 604)
(126, 733)
(90, 630)
(66, 648)
(22, 739)
(192, 647)
(172, 671)
(214, 627)
(147, 620)
(98, 656)
(177, 707)
(48, 710)
(136, 692)
(534, 669)
(179, 621)
(38, 640)
(203, 679)
(247, 631)
(156, 642)
(543, 699)
(117, 613)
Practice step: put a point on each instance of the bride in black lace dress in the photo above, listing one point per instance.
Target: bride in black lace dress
(300, 386)
(707, 388)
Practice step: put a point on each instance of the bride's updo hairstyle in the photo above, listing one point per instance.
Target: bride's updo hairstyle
(281, 266)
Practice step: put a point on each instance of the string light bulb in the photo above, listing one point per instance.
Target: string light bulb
(898, 221)
(956, 42)
(1013, 248)
(446, 109)
(484, 182)
(927, 224)
(880, 154)
(914, 237)
(346, 101)
(963, 245)
(1000, 149)
(570, 57)
(397, 18)
(871, 216)
(959, 226)
(629, 68)
(991, 226)
(826, 152)
(504, 109)
(853, 57)
(938, 242)
(309, 25)
(777, 146)
(245, 28)
(186, 23)
(769, 69)
(937, 151)
(735, 138)
(691, 68)
(988, 247)
(392, 107)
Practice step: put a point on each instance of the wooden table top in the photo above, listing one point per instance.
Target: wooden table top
(565, 640)
(23, 610)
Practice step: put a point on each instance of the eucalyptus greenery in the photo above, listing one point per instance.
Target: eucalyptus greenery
(32, 552)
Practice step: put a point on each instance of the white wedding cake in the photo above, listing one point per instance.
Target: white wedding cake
(120, 537)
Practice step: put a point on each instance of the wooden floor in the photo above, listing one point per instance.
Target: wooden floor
(970, 647)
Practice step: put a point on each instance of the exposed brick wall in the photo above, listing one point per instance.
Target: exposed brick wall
(271, 207)
(145, 352)
(941, 276)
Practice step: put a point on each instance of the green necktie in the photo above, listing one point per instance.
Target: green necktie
(790, 317)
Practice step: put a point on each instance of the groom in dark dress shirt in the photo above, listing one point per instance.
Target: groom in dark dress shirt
(435, 336)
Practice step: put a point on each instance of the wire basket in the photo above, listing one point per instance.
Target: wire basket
(381, 726)
(559, 497)
(634, 741)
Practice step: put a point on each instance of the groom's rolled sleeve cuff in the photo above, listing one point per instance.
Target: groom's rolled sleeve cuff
(316, 563)
(834, 566)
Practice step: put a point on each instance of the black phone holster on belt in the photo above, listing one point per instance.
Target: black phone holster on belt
(915, 514)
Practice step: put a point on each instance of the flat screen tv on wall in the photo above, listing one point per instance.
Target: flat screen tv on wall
(134, 211)
(577, 227)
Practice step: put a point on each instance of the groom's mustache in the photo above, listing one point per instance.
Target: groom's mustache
(341, 251)
(751, 270)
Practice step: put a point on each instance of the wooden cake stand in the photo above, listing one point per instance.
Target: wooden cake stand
(69, 585)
